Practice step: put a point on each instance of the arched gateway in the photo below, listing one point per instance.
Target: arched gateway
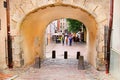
(31, 22)
(34, 25)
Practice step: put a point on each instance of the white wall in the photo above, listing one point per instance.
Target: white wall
(115, 43)
(51, 27)
(116, 26)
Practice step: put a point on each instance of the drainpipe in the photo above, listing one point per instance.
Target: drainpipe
(9, 40)
(109, 36)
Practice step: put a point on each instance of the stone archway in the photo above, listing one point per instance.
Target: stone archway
(34, 25)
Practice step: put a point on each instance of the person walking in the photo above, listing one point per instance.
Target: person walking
(70, 40)
(62, 39)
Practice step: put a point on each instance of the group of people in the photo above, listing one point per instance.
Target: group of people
(66, 39)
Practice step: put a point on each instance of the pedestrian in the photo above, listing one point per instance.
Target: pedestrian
(62, 39)
(70, 40)
(66, 39)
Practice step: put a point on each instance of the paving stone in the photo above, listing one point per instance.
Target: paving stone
(62, 69)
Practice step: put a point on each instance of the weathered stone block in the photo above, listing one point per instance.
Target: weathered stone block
(81, 63)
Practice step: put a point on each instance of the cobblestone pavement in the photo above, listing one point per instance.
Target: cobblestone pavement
(63, 69)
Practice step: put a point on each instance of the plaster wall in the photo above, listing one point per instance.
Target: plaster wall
(3, 36)
(116, 27)
(115, 42)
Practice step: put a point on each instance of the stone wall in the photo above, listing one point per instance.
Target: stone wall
(20, 8)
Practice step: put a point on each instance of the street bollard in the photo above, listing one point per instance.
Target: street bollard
(78, 54)
(65, 55)
(81, 63)
(53, 54)
(37, 62)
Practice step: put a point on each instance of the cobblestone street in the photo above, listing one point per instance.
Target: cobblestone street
(60, 69)
(63, 69)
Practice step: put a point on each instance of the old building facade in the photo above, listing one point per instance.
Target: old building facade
(29, 19)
